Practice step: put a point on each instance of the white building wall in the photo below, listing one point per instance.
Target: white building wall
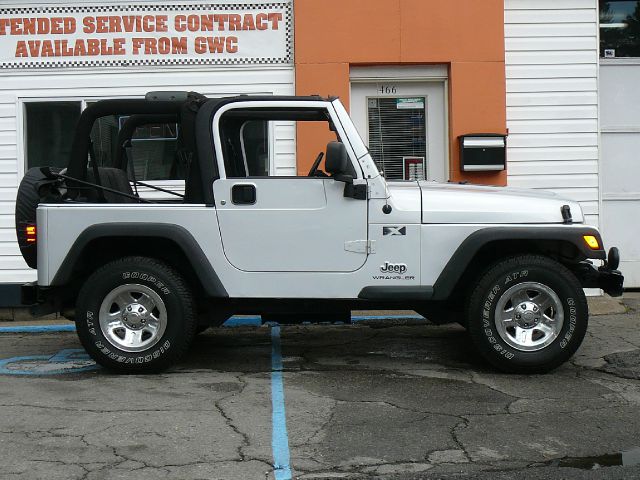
(552, 98)
(18, 86)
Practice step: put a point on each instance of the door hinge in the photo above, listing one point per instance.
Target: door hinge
(360, 246)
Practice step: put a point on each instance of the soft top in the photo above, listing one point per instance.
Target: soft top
(153, 104)
(191, 110)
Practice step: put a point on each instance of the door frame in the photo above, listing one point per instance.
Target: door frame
(410, 74)
(295, 104)
(332, 194)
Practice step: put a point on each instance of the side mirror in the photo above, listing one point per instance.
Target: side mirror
(337, 165)
(337, 162)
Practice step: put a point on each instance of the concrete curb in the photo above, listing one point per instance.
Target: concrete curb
(606, 305)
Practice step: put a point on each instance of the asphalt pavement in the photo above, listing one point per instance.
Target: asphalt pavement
(381, 399)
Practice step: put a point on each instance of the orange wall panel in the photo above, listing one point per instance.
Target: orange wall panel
(352, 30)
(467, 35)
(477, 97)
(323, 79)
(318, 79)
(450, 31)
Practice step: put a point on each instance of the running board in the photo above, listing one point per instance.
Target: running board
(414, 293)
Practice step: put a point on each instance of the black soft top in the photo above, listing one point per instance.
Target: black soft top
(192, 110)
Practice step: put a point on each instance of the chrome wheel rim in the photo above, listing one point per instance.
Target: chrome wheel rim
(133, 317)
(529, 316)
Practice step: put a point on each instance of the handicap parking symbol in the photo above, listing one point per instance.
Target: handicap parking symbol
(65, 361)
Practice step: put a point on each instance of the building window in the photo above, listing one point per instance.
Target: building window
(49, 130)
(619, 28)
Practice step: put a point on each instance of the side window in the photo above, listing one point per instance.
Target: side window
(153, 152)
(254, 141)
(245, 143)
(49, 131)
(262, 143)
(104, 140)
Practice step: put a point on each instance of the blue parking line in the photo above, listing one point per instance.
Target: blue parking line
(279, 436)
(254, 321)
(39, 328)
(362, 318)
(70, 360)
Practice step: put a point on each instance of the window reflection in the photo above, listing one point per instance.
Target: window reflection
(619, 28)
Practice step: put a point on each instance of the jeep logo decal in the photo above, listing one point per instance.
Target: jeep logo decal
(393, 268)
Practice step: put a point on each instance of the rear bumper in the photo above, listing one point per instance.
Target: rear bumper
(29, 294)
(41, 300)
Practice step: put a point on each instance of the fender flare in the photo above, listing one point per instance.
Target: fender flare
(201, 265)
(463, 255)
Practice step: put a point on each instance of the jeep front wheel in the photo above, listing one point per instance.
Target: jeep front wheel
(135, 315)
(528, 314)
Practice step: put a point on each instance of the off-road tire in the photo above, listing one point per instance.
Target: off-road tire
(519, 270)
(181, 323)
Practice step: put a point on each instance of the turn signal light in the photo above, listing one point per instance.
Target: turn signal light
(30, 231)
(592, 242)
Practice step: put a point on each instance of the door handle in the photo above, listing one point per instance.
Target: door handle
(243, 194)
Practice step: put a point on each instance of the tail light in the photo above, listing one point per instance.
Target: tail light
(28, 242)
(30, 234)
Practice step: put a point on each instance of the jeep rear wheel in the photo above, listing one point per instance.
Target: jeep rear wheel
(135, 315)
(528, 314)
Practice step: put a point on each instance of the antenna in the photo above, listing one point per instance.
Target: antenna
(386, 209)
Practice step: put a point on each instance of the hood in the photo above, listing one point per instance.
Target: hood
(454, 203)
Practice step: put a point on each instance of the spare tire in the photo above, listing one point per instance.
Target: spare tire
(27, 202)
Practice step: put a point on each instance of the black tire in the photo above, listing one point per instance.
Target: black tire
(176, 300)
(492, 291)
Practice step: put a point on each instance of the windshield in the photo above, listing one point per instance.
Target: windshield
(353, 136)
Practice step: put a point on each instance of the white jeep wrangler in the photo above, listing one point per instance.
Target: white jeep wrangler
(143, 268)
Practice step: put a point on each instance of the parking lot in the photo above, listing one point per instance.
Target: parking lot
(394, 398)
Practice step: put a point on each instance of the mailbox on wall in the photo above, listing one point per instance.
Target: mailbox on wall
(486, 152)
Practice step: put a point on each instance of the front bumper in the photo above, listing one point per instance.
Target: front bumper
(604, 278)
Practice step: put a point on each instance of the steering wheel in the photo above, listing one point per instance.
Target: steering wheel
(316, 164)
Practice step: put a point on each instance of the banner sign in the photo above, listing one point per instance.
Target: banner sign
(410, 103)
(153, 34)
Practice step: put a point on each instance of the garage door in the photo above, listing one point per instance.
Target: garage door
(620, 157)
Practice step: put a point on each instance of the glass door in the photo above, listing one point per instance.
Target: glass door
(398, 136)
(404, 125)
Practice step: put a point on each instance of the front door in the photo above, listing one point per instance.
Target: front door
(271, 223)
(404, 125)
